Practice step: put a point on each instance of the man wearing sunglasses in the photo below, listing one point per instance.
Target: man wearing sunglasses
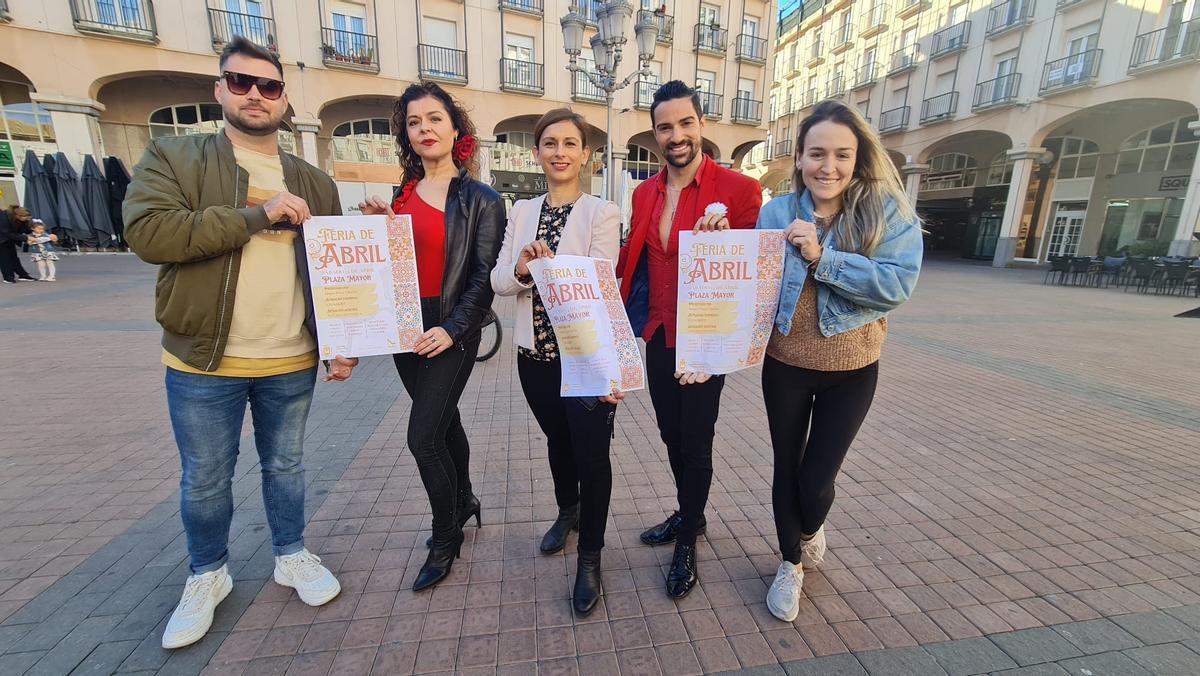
(220, 214)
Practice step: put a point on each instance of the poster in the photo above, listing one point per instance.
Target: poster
(363, 273)
(728, 291)
(596, 345)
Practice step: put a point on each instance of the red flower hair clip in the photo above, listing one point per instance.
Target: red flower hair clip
(406, 194)
(464, 148)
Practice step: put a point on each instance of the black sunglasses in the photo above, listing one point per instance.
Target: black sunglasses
(240, 84)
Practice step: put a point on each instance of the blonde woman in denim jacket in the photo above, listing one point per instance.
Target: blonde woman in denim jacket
(854, 253)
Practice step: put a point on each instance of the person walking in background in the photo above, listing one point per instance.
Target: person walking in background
(855, 255)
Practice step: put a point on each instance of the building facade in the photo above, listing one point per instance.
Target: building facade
(104, 77)
(1023, 128)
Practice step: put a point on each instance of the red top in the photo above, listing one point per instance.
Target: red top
(429, 239)
(712, 183)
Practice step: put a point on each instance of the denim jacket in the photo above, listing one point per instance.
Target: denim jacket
(855, 290)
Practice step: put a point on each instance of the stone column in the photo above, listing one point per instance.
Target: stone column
(485, 158)
(912, 173)
(307, 128)
(76, 126)
(1014, 205)
(1184, 244)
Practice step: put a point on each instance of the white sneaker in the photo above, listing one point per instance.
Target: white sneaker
(194, 614)
(303, 572)
(783, 598)
(812, 553)
(51, 279)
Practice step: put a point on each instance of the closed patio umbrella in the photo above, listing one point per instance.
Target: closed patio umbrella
(39, 195)
(95, 201)
(118, 183)
(69, 202)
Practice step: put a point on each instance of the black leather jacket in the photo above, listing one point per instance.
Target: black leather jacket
(475, 222)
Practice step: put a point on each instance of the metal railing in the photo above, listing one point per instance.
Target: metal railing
(751, 48)
(442, 63)
(1173, 44)
(746, 109)
(783, 148)
(836, 88)
(817, 51)
(224, 26)
(811, 97)
(1063, 4)
(1009, 14)
(905, 58)
(844, 35)
(364, 149)
(938, 108)
(894, 119)
(866, 74)
(666, 24)
(874, 20)
(527, 6)
(521, 76)
(643, 96)
(582, 89)
(128, 18)
(711, 38)
(908, 8)
(1076, 70)
(951, 39)
(347, 48)
(711, 104)
(997, 91)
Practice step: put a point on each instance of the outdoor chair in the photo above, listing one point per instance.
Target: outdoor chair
(1142, 273)
(1111, 270)
(1174, 275)
(1058, 265)
(1080, 266)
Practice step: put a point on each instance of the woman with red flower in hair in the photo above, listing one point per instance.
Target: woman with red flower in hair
(458, 224)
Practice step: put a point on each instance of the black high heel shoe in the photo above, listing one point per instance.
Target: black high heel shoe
(468, 506)
(440, 560)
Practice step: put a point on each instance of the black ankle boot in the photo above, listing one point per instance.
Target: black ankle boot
(588, 587)
(441, 557)
(468, 506)
(682, 576)
(556, 538)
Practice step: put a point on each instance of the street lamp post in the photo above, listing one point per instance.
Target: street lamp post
(606, 46)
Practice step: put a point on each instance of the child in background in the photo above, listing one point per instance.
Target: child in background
(41, 245)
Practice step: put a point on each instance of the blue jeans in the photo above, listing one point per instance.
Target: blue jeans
(207, 414)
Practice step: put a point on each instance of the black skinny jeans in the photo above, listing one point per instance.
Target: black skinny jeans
(578, 431)
(687, 423)
(808, 457)
(435, 432)
(10, 262)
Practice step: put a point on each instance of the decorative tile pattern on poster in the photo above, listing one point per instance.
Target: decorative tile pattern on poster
(404, 281)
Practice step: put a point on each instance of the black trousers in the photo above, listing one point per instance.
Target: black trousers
(578, 432)
(10, 262)
(435, 432)
(687, 423)
(808, 455)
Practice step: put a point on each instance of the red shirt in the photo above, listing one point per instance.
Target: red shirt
(429, 239)
(712, 183)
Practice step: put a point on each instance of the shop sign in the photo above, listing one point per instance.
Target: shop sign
(1173, 182)
(519, 182)
(6, 156)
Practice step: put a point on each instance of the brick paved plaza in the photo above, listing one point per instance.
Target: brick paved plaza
(1024, 496)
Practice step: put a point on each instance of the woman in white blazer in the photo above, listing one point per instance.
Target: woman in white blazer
(566, 221)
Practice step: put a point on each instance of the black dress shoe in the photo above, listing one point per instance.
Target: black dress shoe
(588, 587)
(667, 531)
(556, 538)
(440, 560)
(682, 576)
(468, 506)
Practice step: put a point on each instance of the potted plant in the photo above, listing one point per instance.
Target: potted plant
(328, 51)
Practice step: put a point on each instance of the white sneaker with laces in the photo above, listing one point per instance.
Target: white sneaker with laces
(303, 572)
(194, 614)
(812, 553)
(783, 598)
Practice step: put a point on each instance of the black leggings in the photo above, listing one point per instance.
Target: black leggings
(578, 431)
(435, 432)
(687, 423)
(10, 262)
(807, 460)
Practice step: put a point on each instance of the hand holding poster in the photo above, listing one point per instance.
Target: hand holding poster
(596, 345)
(728, 291)
(363, 273)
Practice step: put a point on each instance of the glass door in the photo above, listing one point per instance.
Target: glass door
(989, 234)
(1066, 229)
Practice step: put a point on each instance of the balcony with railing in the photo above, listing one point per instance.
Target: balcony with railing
(1009, 15)
(816, 53)
(908, 8)
(442, 63)
(530, 7)
(711, 104)
(665, 22)
(866, 75)
(997, 92)
(582, 89)
(905, 59)
(347, 49)
(893, 120)
(843, 38)
(950, 40)
(875, 21)
(811, 97)
(747, 110)
(225, 25)
(522, 77)
(939, 108)
(1165, 47)
(783, 148)
(711, 39)
(643, 96)
(751, 48)
(836, 88)
(130, 19)
(1068, 4)
(1071, 72)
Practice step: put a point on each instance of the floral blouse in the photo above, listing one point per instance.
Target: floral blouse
(550, 226)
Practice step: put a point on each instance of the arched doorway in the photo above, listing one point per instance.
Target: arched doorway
(24, 125)
(962, 195)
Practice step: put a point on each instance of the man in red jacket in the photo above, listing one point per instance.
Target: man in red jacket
(692, 193)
